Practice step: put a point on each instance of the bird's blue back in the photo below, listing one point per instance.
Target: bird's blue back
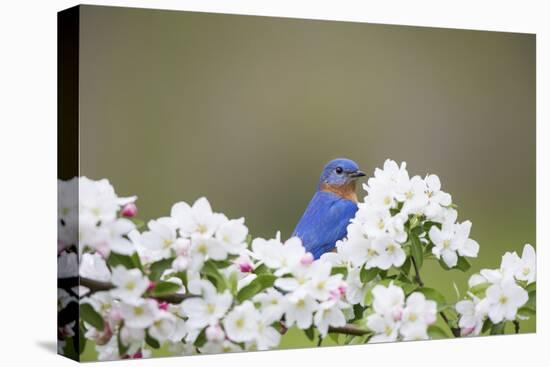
(324, 222)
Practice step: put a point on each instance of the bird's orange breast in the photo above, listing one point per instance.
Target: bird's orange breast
(346, 191)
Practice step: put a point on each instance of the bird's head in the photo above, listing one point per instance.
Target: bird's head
(338, 173)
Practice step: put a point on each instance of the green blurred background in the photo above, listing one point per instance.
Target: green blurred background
(246, 110)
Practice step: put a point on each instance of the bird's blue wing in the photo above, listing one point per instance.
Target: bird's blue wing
(324, 222)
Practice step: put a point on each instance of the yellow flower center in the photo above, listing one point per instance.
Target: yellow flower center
(138, 311)
(201, 228)
(130, 286)
(239, 323)
(202, 248)
(503, 299)
(167, 243)
(210, 308)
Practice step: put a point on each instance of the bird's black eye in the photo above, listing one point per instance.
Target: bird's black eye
(339, 170)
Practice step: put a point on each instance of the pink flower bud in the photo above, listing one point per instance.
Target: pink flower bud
(163, 306)
(151, 285)
(104, 336)
(214, 333)
(129, 210)
(138, 354)
(245, 267)
(335, 295)
(114, 315)
(307, 259)
(466, 331)
(343, 288)
(397, 314)
(430, 318)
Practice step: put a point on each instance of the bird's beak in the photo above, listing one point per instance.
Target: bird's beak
(357, 174)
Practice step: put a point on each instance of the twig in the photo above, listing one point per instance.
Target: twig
(97, 286)
(455, 331)
(417, 273)
(349, 329)
(516, 326)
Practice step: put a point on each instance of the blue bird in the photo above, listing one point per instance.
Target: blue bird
(332, 207)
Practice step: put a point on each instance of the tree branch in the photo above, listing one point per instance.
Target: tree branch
(417, 273)
(349, 329)
(455, 331)
(98, 286)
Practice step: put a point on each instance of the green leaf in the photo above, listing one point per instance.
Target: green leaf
(164, 289)
(406, 267)
(261, 282)
(89, 315)
(183, 276)
(233, 282)
(479, 290)
(334, 337)
(261, 269)
(138, 222)
(531, 287)
(435, 332)
(70, 348)
(417, 251)
(434, 295)
(152, 342)
(408, 288)
(220, 264)
(157, 268)
(339, 270)
(129, 262)
(368, 296)
(366, 275)
(122, 348)
(497, 329)
(532, 301)
(201, 339)
(487, 325)
(209, 268)
(310, 333)
(526, 312)
(81, 338)
(463, 264)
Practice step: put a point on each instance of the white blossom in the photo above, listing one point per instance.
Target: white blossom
(130, 284)
(207, 309)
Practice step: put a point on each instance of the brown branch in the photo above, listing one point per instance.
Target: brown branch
(455, 331)
(98, 286)
(417, 273)
(349, 329)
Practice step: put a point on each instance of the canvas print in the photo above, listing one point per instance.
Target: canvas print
(234, 183)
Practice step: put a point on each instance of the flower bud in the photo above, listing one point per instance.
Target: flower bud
(307, 259)
(397, 314)
(245, 267)
(466, 331)
(163, 306)
(214, 333)
(151, 285)
(129, 210)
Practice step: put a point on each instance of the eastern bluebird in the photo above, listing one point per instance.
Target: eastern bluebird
(334, 204)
